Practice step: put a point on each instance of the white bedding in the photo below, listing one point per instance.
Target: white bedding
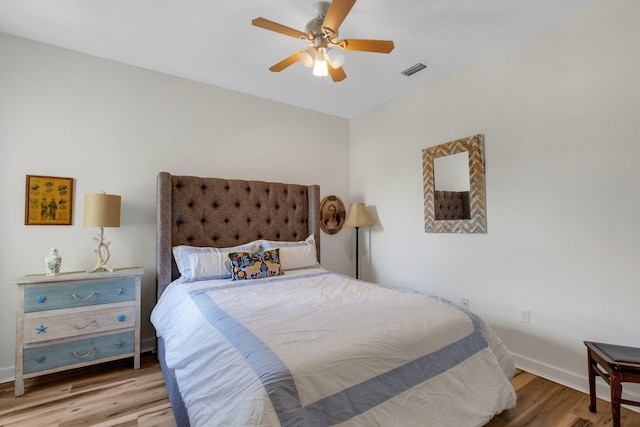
(316, 348)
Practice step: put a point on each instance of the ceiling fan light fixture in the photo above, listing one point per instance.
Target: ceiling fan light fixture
(308, 56)
(335, 58)
(320, 68)
(322, 34)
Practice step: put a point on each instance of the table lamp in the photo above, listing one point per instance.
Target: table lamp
(101, 210)
(358, 217)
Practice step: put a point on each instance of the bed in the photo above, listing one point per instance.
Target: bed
(252, 330)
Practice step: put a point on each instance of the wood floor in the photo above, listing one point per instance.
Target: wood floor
(119, 396)
(543, 403)
(108, 395)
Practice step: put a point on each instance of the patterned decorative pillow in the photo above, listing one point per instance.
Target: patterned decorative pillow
(255, 265)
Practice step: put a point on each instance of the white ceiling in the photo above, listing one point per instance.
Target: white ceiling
(213, 41)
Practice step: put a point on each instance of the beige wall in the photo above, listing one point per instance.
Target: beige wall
(560, 115)
(113, 127)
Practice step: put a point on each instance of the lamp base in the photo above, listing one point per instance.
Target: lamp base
(103, 254)
(99, 268)
(357, 256)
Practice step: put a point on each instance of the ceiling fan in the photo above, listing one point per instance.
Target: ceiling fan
(322, 36)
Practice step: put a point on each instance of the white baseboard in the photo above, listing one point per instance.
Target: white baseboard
(148, 345)
(8, 374)
(571, 380)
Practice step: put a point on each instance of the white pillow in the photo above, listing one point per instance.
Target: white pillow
(294, 255)
(204, 263)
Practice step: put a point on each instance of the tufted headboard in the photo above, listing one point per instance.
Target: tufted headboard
(216, 212)
(452, 205)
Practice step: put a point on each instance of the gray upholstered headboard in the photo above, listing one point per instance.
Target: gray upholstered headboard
(216, 212)
(451, 205)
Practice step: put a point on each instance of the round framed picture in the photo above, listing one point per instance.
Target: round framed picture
(332, 214)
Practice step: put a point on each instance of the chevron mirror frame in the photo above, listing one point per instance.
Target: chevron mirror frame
(477, 223)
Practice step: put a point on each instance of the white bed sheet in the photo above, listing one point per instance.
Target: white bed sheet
(315, 348)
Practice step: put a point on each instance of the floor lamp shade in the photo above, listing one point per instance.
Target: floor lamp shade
(358, 217)
(101, 210)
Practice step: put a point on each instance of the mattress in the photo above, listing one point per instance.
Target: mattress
(315, 348)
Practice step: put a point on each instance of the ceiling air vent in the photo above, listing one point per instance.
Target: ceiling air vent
(414, 69)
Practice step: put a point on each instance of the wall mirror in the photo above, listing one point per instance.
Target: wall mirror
(454, 187)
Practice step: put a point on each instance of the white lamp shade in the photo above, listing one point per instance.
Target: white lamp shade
(336, 58)
(101, 210)
(320, 68)
(308, 56)
(358, 216)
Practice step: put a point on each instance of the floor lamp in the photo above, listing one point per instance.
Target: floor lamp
(358, 217)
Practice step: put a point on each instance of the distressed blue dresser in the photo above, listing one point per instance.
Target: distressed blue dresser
(76, 319)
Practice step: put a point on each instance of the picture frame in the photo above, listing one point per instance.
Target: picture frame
(332, 214)
(48, 200)
(477, 223)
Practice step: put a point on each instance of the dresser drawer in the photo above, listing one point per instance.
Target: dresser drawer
(78, 294)
(75, 352)
(76, 322)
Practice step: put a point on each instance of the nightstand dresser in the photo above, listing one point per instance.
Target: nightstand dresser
(77, 319)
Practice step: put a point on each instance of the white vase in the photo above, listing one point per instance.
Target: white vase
(52, 262)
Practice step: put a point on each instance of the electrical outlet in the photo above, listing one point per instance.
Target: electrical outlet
(524, 315)
(464, 302)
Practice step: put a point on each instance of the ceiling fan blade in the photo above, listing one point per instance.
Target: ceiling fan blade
(285, 62)
(337, 74)
(278, 28)
(379, 46)
(338, 10)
